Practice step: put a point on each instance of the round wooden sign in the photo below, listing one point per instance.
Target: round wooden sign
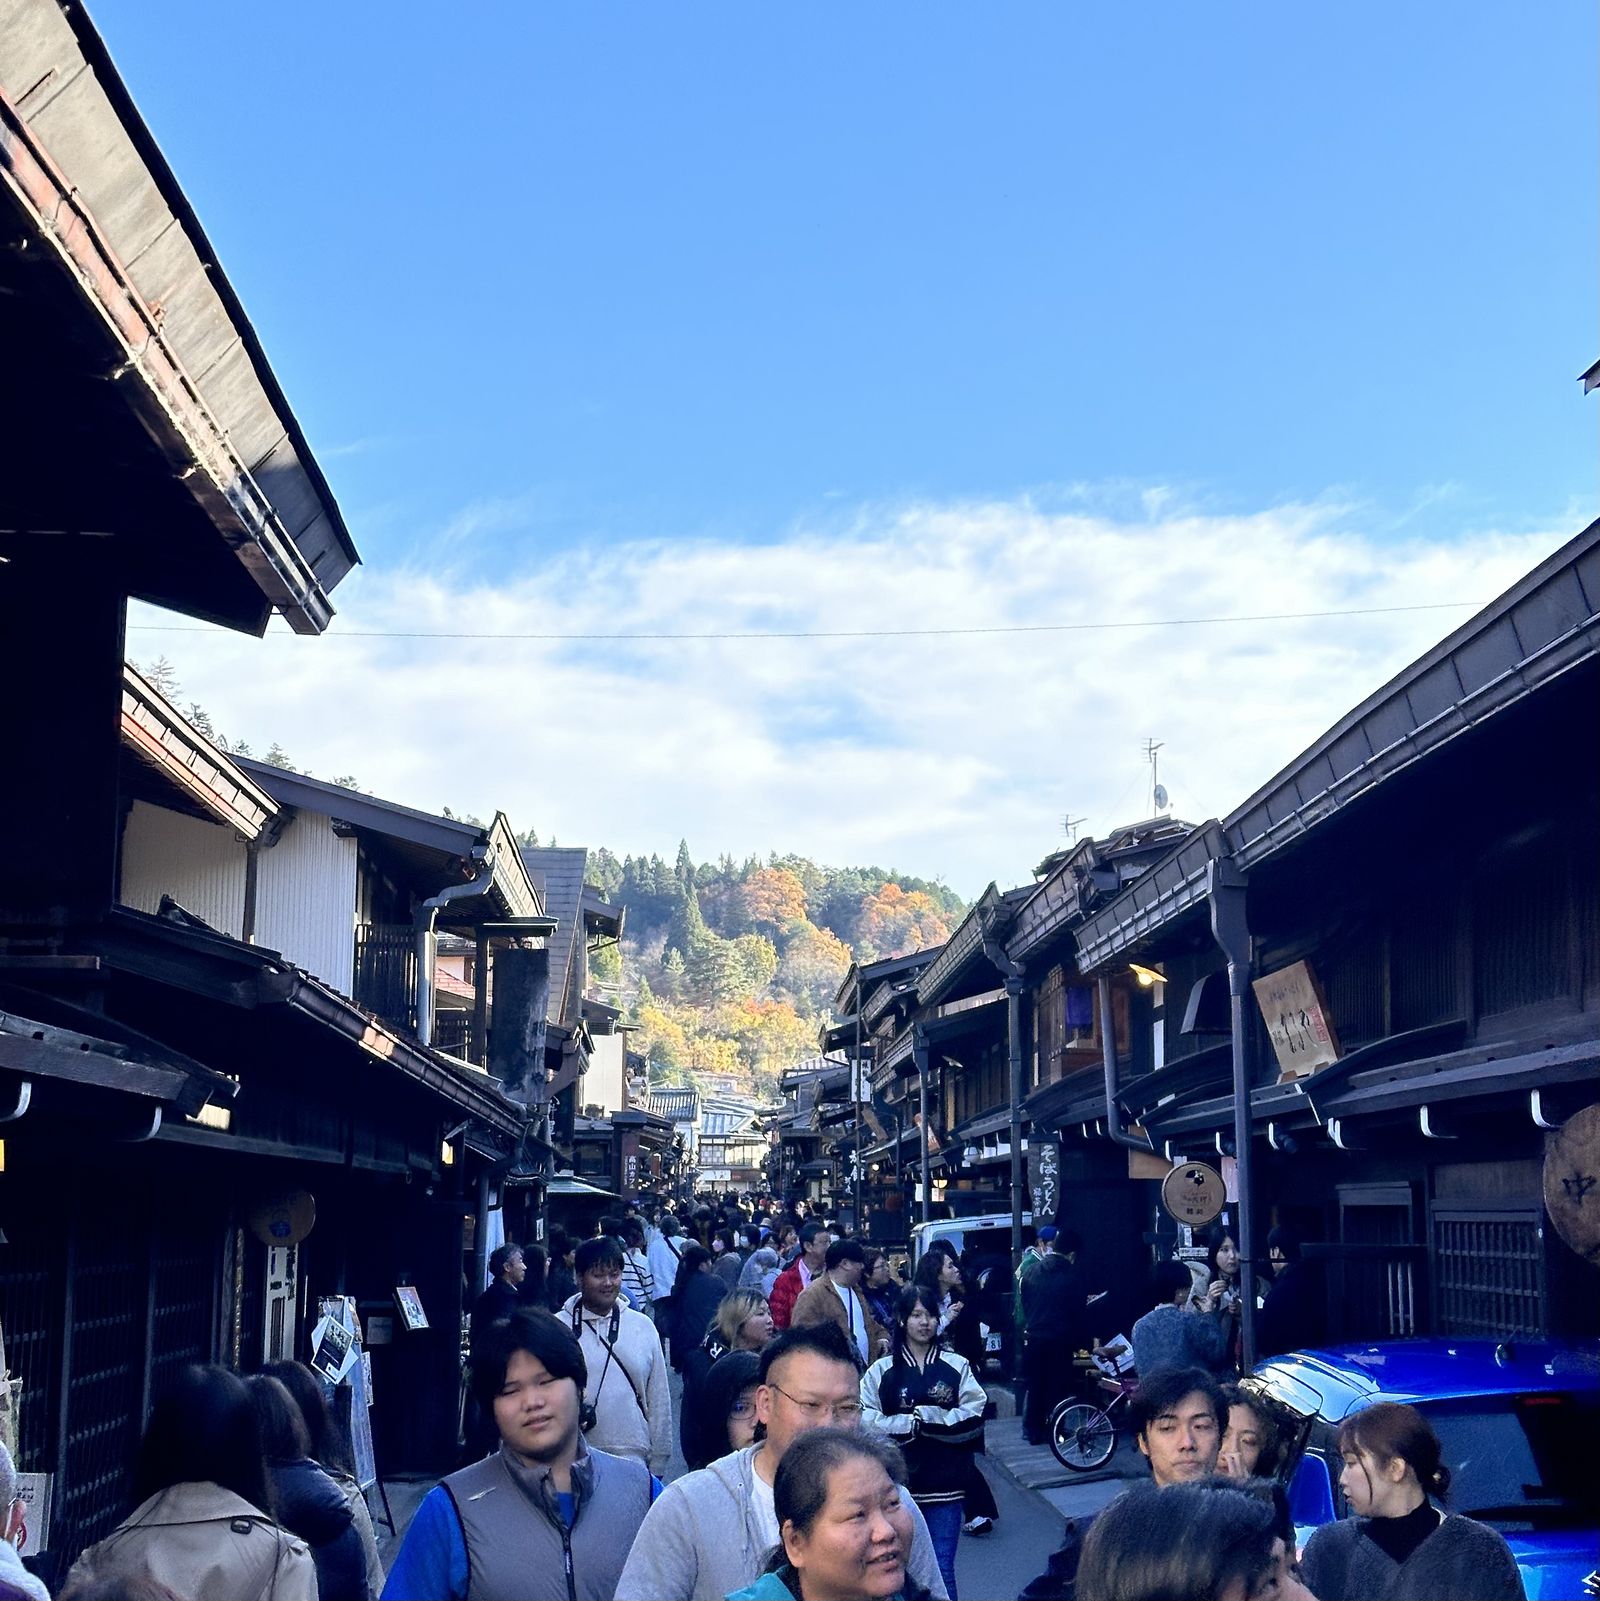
(284, 1219)
(1572, 1182)
(1194, 1193)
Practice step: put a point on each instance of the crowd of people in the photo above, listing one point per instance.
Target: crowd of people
(830, 1419)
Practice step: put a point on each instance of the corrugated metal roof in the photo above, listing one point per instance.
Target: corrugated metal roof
(560, 869)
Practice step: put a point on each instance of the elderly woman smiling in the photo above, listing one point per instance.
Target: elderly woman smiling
(844, 1529)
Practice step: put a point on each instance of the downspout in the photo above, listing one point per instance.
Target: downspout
(855, 1092)
(1108, 1056)
(1225, 889)
(1012, 972)
(919, 1054)
(427, 945)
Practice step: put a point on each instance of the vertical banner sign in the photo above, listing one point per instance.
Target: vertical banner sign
(1297, 1019)
(1044, 1177)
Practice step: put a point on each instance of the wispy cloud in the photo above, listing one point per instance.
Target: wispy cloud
(954, 755)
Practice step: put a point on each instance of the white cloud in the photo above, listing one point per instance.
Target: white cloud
(953, 755)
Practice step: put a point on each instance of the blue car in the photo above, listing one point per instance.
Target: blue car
(1520, 1426)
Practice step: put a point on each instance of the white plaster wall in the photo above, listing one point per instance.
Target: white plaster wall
(200, 865)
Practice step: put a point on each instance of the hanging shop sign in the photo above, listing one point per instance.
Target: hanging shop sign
(1044, 1177)
(284, 1218)
(1193, 1193)
(1297, 1018)
(1572, 1182)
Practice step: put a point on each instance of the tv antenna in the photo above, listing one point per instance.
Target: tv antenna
(1158, 790)
(1071, 825)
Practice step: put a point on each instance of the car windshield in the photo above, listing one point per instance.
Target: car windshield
(1521, 1459)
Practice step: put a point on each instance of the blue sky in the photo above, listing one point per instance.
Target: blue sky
(543, 281)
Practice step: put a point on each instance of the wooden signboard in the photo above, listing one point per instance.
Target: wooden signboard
(1297, 1019)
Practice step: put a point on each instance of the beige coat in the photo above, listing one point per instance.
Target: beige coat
(819, 1302)
(203, 1543)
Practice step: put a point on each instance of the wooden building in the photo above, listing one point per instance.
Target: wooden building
(1413, 911)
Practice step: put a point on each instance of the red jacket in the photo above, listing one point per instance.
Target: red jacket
(786, 1290)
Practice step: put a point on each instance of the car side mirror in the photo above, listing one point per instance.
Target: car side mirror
(1311, 1493)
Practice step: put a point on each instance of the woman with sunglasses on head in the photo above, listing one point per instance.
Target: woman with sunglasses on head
(927, 1399)
(1399, 1546)
(743, 1322)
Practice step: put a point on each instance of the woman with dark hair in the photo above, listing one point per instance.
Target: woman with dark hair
(723, 1417)
(927, 1398)
(726, 1261)
(1399, 1546)
(534, 1285)
(1189, 1542)
(844, 1531)
(329, 1452)
(308, 1502)
(1293, 1315)
(696, 1294)
(202, 1523)
(561, 1282)
(940, 1272)
(1222, 1293)
(1249, 1438)
(879, 1287)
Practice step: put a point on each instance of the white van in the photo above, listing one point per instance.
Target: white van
(988, 1233)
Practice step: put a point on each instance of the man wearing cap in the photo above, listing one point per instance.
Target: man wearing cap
(1054, 1308)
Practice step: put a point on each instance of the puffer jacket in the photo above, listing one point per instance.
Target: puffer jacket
(311, 1505)
(198, 1539)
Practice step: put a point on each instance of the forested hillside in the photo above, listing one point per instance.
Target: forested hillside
(728, 967)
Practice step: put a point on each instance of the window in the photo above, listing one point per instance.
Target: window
(1489, 1276)
(1523, 1460)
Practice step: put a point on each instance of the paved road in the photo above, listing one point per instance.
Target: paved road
(999, 1564)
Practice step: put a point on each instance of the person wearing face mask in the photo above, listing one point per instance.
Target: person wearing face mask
(927, 1399)
(1399, 1546)
(547, 1516)
(845, 1529)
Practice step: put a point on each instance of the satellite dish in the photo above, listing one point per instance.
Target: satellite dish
(1161, 797)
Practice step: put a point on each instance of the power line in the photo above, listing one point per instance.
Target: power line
(851, 633)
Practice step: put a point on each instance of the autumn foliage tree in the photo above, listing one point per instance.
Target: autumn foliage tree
(736, 963)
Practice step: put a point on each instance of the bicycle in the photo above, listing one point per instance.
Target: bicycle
(1083, 1436)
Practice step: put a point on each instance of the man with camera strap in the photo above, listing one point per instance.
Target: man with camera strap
(628, 1388)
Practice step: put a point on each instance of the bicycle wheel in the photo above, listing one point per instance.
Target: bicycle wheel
(1082, 1436)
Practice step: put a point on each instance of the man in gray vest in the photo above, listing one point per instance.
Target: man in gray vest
(546, 1518)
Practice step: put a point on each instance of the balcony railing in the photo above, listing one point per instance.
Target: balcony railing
(452, 1033)
(386, 973)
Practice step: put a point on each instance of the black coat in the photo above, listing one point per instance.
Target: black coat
(1294, 1315)
(1053, 1306)
(560, 1286)
(693, 1312)
(500, 1300)
(311, 1505)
